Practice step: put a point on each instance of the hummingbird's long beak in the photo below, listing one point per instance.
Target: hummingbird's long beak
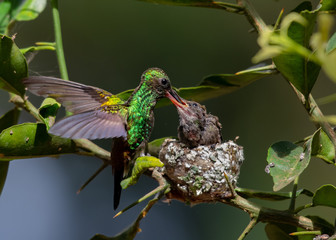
(175, 98)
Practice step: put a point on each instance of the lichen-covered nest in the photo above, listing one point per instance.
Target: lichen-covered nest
(197, 174)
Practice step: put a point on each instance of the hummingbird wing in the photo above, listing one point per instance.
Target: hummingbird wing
(97, 113)
(75, 97)
(90, 125)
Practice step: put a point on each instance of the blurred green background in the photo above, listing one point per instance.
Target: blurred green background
(108, 44)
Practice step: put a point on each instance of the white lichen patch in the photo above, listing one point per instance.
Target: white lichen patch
(199, 173)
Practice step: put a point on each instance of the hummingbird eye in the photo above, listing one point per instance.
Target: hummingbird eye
(194, 105)
(164, 81)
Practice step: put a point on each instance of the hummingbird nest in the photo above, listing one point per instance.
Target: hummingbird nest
(198, 174)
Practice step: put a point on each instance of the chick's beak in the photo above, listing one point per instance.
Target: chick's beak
(175, 98)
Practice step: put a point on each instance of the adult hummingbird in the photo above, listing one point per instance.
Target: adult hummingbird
(197, 127)
(99, 114)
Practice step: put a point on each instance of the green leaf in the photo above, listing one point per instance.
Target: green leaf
(297, 69)
(48, 111)
(154, 146)
(331, 43)
(13, 66)
(328, 5)
(5, 8)
(215, 85)
(322, 147)
(19, 10)
(271, 196)
(219, 84)
(325, 196)
(32, 139)
(279, 231)
(288, 161)
(30, 10)
(140, 166)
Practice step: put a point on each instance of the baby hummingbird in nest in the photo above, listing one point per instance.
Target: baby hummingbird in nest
(197, 127)
(99, 114)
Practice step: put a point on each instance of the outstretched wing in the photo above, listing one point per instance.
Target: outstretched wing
(97, 113)
(91, 125)
(75, 97)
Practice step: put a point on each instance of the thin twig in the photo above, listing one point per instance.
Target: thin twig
(228, 181)
(101, 168)
(248, 228)
(163, 186)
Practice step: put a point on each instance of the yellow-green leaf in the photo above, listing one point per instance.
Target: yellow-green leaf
(140, 166)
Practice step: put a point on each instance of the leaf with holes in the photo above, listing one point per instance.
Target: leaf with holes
(288, 161)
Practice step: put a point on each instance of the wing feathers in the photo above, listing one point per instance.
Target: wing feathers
(90, 125)
(76, 97)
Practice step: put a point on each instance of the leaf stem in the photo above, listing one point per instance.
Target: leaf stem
(293, 198)
(299, 209)
(37, 48)
(58, 40)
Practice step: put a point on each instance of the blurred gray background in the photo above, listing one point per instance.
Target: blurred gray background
(109, 44)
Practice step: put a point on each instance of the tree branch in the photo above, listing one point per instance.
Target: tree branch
(272, 215)
(252, 15)
(316, 114)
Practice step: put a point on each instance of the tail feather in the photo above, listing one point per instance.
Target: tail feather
(118, 161)
(118, 176)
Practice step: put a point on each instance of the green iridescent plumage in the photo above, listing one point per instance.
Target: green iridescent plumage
(100, 114)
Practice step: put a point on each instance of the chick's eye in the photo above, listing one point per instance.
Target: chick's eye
(194, 105)
(164, 81)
